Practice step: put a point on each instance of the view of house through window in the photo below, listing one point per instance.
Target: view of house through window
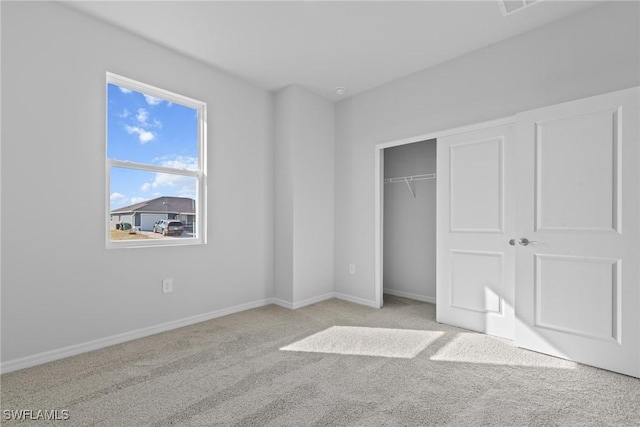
(155, 165)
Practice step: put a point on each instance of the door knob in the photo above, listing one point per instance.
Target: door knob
(512, 242)
(526, 242)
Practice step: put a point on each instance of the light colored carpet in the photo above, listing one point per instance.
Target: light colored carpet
(231, 371)
(382, 342)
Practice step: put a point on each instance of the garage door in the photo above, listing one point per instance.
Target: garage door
(147, 220)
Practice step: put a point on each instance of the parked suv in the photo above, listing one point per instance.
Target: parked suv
(168, 227)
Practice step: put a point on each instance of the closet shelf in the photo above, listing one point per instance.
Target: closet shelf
(408, 179)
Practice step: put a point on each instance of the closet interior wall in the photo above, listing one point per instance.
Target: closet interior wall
(409, 245)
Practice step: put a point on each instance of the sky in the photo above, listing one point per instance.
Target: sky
(149, 130)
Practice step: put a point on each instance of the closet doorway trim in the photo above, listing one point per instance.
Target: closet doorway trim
(379, 188)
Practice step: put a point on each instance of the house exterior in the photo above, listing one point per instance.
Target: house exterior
(144, 214)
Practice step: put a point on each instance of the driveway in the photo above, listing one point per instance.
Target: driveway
(151, 234)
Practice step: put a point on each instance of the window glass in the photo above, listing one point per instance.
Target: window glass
(155, 165)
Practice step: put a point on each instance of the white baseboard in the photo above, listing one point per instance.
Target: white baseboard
(72, 350)
(282, 303)
(313, 300)
(356, 300)
(296, 305)
(409, 295)
(61, 353)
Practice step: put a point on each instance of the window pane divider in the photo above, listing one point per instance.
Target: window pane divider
(152, 168)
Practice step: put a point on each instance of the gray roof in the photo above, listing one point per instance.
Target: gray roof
(161, 205)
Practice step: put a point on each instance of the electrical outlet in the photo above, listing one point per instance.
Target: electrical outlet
(167, 286)
(352, 269)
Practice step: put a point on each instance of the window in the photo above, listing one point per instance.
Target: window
(156, 166)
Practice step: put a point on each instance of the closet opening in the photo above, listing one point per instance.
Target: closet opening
(409, 221)
(385, 153)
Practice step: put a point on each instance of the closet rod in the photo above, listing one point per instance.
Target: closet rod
(410, 178)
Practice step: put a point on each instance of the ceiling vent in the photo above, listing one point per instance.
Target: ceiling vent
(510, 6)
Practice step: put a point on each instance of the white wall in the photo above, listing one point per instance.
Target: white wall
(410, 223)
(60, 286)
(283, 161)
(594, 52)
(304, 208)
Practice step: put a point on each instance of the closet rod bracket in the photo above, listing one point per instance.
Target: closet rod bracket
(413, 193)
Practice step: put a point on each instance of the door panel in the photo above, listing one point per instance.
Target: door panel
(470, 272)
(558, 308)
(476, 198)
(584, 199)
(577, 288)
(475, 214)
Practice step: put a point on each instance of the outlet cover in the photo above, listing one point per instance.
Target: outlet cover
(167, 286)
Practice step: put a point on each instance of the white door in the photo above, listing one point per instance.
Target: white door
(475, 215)
(577, 288)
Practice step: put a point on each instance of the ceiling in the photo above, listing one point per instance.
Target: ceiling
(325, 44)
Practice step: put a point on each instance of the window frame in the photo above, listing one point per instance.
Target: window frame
(200, 174)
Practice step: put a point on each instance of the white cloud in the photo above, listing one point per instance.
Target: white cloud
(143, 135)
(146, 136)
(124, 90)
(189, 192)
(117, 197)
(182, 186)
(157, 123)
(178, 162)
(124, 114)
(142, 116)
(152, 100)
(169, 180)
(135, 200)
(146, 186)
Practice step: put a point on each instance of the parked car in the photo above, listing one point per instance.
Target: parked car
(168, 227)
